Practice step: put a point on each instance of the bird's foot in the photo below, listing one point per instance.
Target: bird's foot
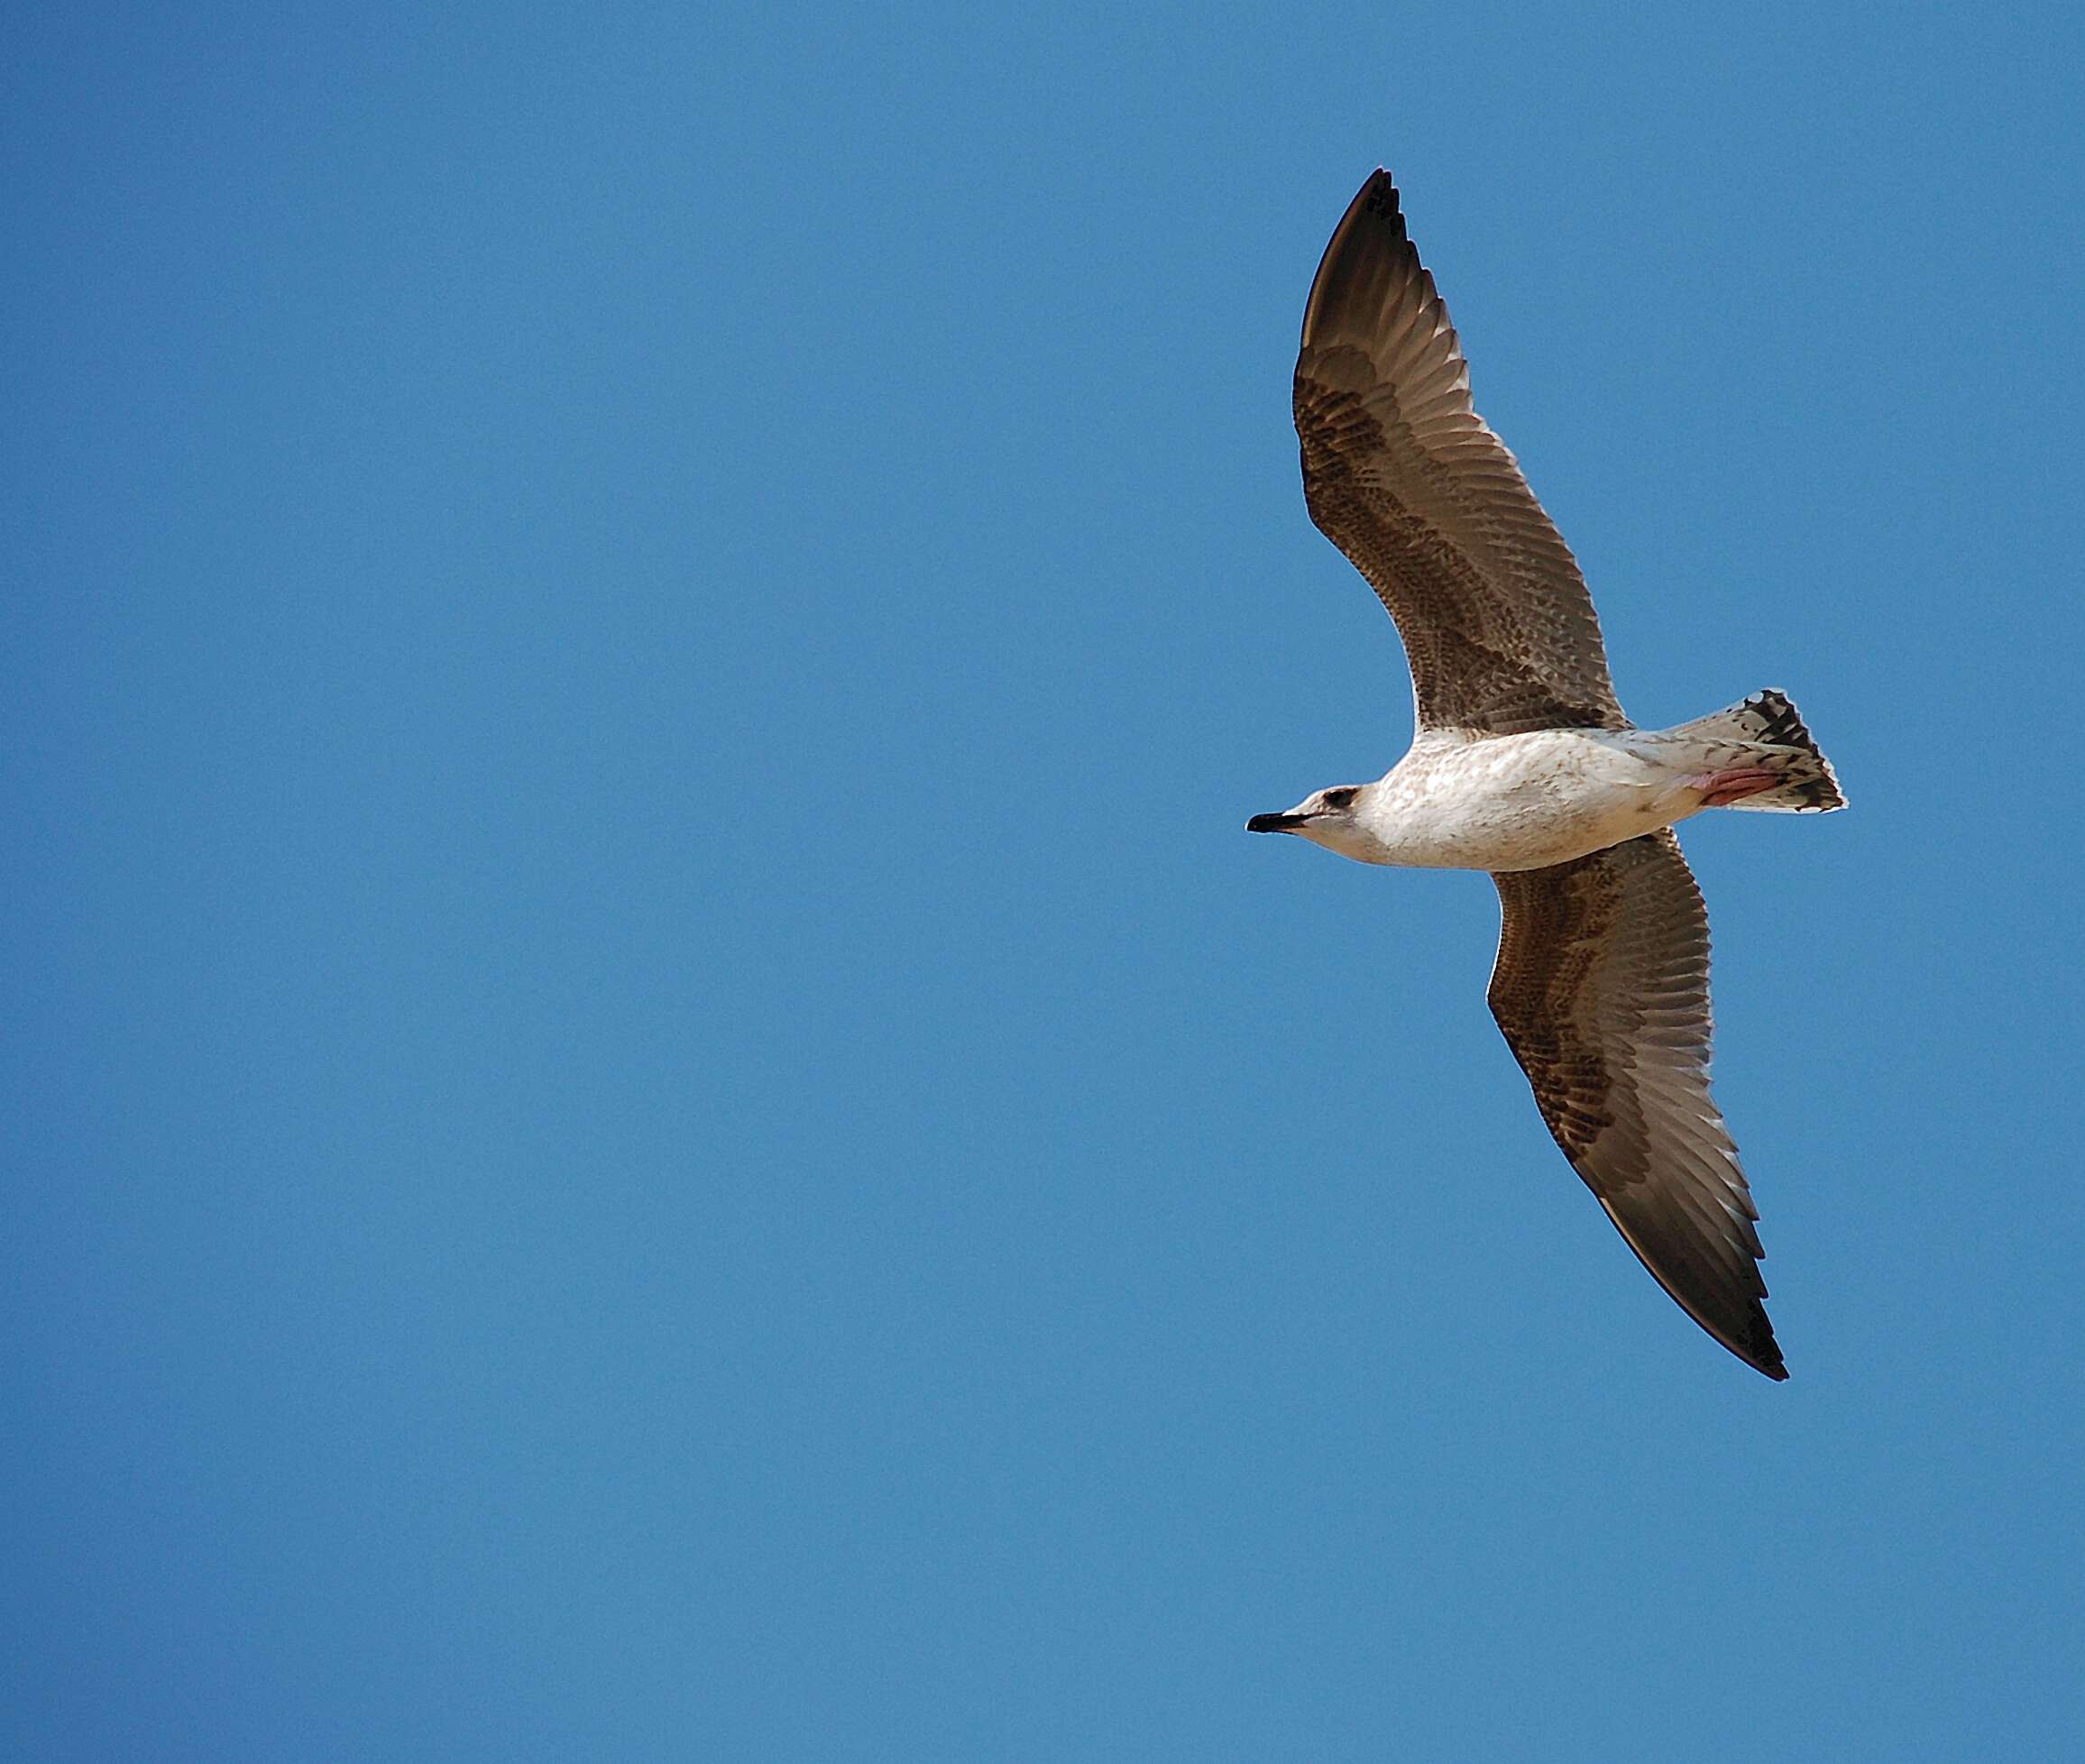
(1733, 784)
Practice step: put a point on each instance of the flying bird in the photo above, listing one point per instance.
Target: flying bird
(1524, 765)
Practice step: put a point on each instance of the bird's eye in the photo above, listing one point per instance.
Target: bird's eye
(1340, 799)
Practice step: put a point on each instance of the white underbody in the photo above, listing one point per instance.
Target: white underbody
(1521, 802)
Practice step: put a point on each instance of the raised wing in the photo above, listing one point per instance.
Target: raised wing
(1403, 476)
(1602, 987)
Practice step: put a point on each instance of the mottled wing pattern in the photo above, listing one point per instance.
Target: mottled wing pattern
(1403, 476)
(1602, 987)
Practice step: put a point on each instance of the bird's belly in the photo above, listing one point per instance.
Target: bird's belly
(1545, 803)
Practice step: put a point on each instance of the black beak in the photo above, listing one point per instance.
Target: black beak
(1275, 824)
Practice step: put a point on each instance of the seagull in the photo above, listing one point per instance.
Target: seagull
(1524, 765)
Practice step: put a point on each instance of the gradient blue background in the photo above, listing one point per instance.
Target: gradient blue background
(655, 1106)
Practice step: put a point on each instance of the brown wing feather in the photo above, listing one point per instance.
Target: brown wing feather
(1602, 988)
(1403, 476)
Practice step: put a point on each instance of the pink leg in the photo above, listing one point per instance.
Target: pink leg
(1733, 785)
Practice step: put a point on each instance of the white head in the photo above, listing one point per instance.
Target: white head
(1330, 817)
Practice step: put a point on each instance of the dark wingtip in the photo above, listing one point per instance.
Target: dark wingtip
(1373, 213)
(1376, 197)
(1762, 1353)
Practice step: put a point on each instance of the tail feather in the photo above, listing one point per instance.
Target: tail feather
(1769, 731)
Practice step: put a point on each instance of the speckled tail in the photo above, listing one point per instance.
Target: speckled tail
(1768, 729)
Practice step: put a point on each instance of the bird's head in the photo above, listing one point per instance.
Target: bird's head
(1327, 817)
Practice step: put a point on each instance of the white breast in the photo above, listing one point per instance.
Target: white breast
(1516, 801)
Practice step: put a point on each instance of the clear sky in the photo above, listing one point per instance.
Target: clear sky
(656, 1107)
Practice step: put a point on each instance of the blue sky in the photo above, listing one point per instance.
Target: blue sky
(656, 1106)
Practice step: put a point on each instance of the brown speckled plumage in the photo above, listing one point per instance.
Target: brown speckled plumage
(1601, 988)
(1402, 476)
